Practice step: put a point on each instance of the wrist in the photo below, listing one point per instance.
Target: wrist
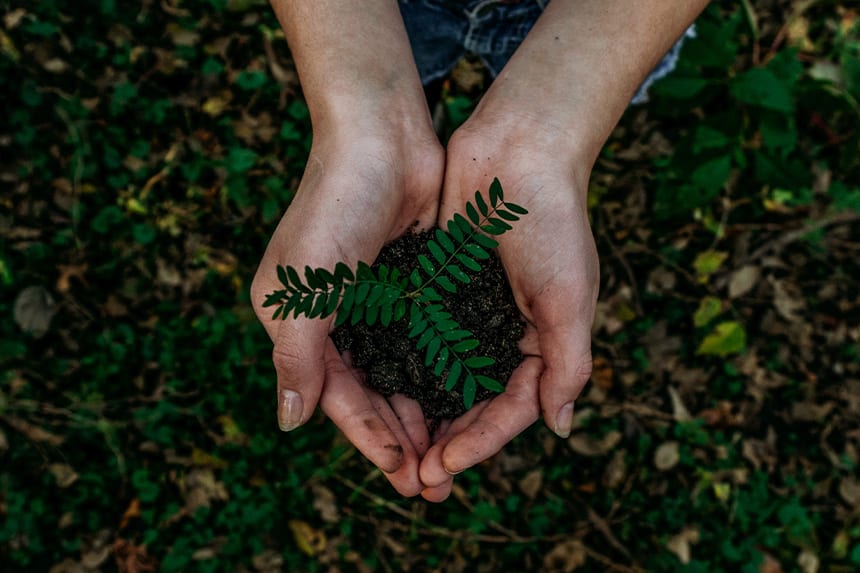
(514, 145)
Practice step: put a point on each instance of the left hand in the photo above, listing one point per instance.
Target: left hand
(551, 262)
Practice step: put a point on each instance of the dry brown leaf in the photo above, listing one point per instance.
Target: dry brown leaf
(68, 566)
(769, 564)
(131, 558)
(565, 557)
(64, 474)
(810, 411)
(167, 275)
(666, 456)
(201, 488)
(34, 433)
(849, 489)
(808, 561)
(96, 552)
(531, 483)
(601, 373)
(586, 445)
(13, 18)
(326, 504)
(743, 281)
(680, 544)
(269, 561)
(33, 310)
(131, 512)
(788, 300)
(679, 410)
(69, 272)
(616, 470)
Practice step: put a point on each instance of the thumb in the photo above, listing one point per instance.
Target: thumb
(565, 345)
(299, 359)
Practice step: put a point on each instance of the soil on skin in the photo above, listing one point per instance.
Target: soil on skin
(388, 356)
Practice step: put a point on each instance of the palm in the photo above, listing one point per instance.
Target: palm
(345, 210)
(551, 263)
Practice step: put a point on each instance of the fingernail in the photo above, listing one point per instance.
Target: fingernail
(564, 420)
(289, 410)
(450, 473)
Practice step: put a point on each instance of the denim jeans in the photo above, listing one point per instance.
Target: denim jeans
(442, 31)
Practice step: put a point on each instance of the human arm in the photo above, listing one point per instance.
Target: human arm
(539, 129)
(374, 170)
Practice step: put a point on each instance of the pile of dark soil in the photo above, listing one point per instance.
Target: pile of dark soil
(388, 356)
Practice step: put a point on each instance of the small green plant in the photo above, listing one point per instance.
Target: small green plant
(384, 295)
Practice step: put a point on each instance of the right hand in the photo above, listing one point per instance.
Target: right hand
(358, 192)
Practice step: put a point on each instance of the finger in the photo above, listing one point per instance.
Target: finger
(433, 473)
(439, 493)
(347, 403)
(566, 351)
(411, 417)
(301, 360)
(405, 479)
(505, 417)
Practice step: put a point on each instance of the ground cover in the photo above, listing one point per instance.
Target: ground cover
(146, 153)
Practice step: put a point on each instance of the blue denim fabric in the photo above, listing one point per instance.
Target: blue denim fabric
(443, 31)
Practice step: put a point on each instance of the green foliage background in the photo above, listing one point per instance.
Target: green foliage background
(146, 153)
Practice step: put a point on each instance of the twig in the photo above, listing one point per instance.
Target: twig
(627, 269)
(781, 242)
(603, 527)
(507, 537)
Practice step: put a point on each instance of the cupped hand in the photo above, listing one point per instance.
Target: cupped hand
(358, 192)
(551, 262)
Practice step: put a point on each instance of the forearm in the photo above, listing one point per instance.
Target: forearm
(354, 62)
(580, 65)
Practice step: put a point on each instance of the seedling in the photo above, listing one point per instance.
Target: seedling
(384, 295)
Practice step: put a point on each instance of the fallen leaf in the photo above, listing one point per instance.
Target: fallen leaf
(531, 483)
(309, 540)
(679, 410)
(96, 552)
(743, 280)
(326, 504)
(680, 544)
(64, 474)
(565, 557)
(269, 561)
(769, 564)
(131, 558)
(69, 272)
(34, 433)
(788, 300)
(201, 488)
(849, 489)
(616, 470)
(707, 263)
(709, 308)
(13, 18)
(808, 561)
(33, 310)
(205, 459)
(214, 106)
(68, 566)
(594, 447)
(131, 512)
(667, 456)
(726, 338)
